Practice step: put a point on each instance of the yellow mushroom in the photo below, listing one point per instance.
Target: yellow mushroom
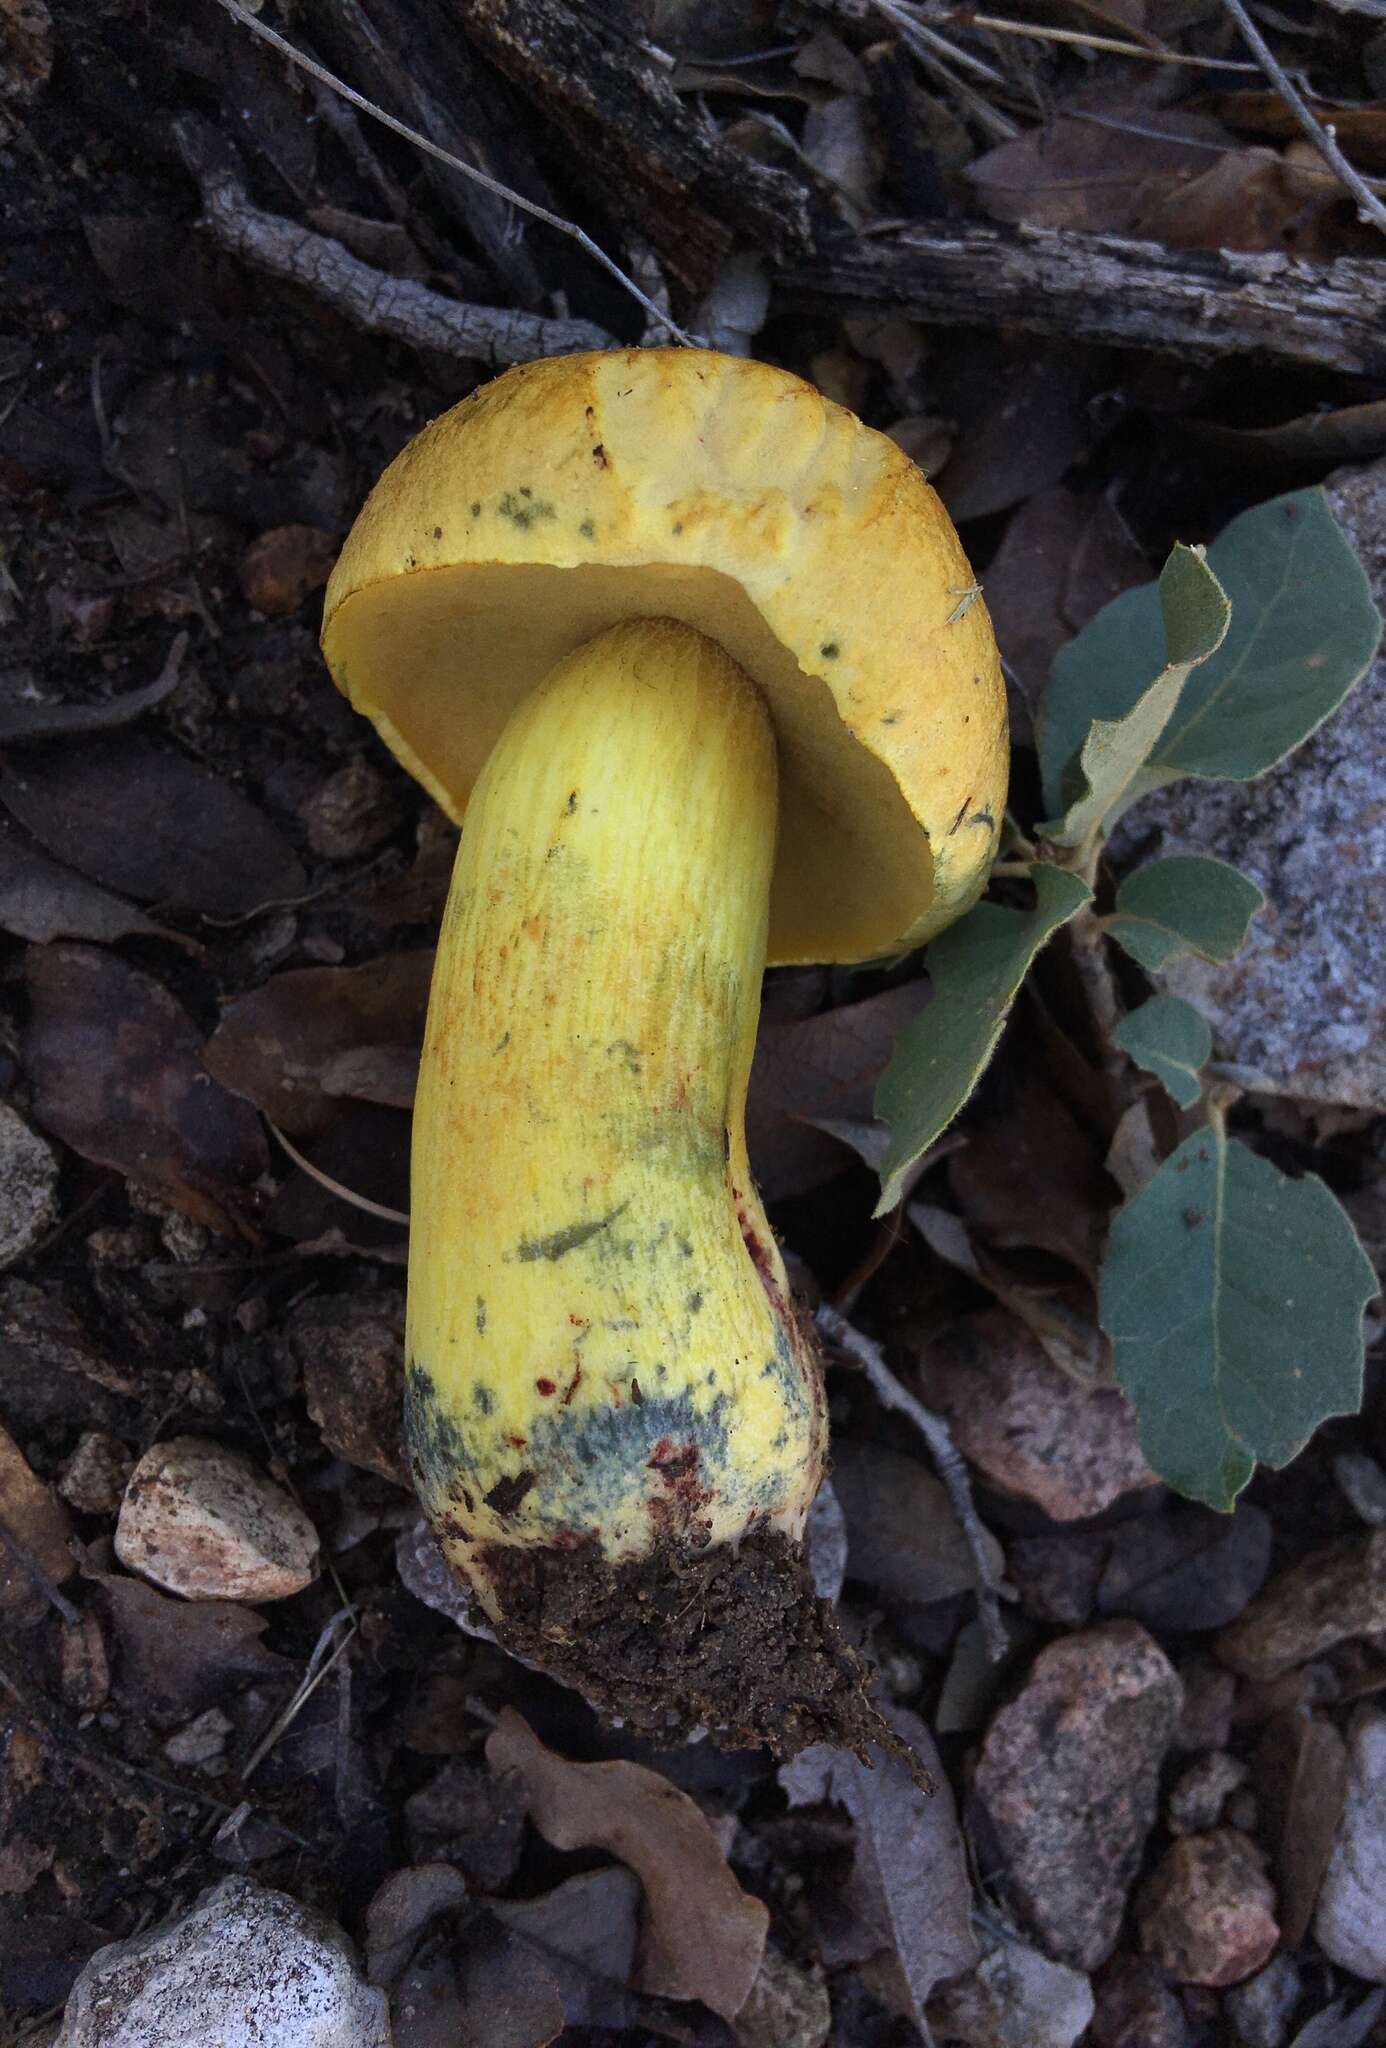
(683, 642)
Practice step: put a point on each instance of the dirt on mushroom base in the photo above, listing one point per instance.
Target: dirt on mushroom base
(732, 1640)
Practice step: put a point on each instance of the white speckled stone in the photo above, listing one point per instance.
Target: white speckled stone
(1351, 1921)
(246, 1968)
(201, 1520)
(1305, 1000)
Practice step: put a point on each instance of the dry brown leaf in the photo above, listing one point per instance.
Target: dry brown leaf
(1349, 433)
(1301, 1782)
(34, 1532)
(703, 1936)
(178, 1657)
(141, 818)
(825, 1066)
(1029, 1175)
(42, 900)
(1033, 422)
(116, 1071)
(1360, 130)
(1096, 179)
(909, 1875)
(903, 1538)
(317, 1033)
(1062, 558)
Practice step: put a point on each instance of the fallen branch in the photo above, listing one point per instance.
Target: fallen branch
(1101, 288)
(394, 307)
(947, 1458)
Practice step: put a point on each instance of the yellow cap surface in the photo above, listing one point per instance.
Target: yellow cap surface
(578, 491)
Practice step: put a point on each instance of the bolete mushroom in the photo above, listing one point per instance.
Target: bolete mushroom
(699, 656)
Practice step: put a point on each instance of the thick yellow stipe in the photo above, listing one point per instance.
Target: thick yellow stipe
(600, 1340)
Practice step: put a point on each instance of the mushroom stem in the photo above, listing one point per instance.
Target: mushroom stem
(603, 1357)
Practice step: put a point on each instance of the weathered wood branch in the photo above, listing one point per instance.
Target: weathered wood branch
(1100, 288)
(658, 164)
(395, 307)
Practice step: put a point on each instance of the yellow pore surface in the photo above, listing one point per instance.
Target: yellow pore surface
(576, 492)
(592, 1348)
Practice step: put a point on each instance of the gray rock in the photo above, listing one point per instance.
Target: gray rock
(28, 1186)
(1351, 1920)
(1068, 1779)
(1260, 2010)
(1304, 1002)
(1333, 1594)
(245, 1968)
(1201, 1792)
(1015, 1998)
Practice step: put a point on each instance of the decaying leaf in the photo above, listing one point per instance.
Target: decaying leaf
(34, 1532)
(139, 817)
(115, 1067)
(817, 1067)
(178, 1656)
(318, 1033)
(903, 1537)
(909, 1877)
(42, 900)
(703, 1936)
(1301, 1780)
(1029, 1175)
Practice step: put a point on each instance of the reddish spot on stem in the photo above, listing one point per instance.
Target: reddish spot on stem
(546, 1387)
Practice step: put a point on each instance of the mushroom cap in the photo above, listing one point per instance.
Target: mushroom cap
(578, 491)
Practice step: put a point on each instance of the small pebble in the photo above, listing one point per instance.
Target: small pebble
(1201, 1792)
(95, 1476)
(202, 1744)
(201, 1520)
(1207, 1914)
(1335, 1593)
(28, 1186)
(245, 1968)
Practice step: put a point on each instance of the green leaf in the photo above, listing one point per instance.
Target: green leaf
(976, 967)
(1304, 629)
(1171, 1040)
(1195, 615)
(1233, 1298)
(1189, 903)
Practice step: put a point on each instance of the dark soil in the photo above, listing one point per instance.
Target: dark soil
(736, 1642)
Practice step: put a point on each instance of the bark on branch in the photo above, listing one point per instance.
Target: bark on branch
(1100, 288)
(395, 307)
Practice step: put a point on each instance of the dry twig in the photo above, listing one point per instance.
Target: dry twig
(1199, 304)
(395, 307)
(456, 163)
(1319, 133)
(947, 1459)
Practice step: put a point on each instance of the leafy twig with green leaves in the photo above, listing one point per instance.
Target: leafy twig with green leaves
(1232, 1296)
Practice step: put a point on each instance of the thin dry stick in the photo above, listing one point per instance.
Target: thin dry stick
(318, 1668)
(947, 1459)
(1319, 133)
(1081, 39)
(335, 1187)
(455, 163)
(397, 307)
